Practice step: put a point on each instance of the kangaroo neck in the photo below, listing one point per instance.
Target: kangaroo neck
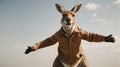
(69, 31)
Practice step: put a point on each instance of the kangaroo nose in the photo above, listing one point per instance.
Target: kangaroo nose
(68, 21)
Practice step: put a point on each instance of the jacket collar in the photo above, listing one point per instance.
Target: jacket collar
(62, 32)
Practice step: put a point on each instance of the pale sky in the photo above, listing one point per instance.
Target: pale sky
(25, 22)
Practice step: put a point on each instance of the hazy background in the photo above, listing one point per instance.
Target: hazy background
(25, 22)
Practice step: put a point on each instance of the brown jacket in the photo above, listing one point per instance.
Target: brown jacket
(69, 48)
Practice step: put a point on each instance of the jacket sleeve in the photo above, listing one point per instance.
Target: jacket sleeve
(47, 42)
(92, 37)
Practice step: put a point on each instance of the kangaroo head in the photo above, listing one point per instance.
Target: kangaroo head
(68, 16)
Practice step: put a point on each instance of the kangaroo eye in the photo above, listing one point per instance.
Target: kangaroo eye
(64, 15)
(73, 15)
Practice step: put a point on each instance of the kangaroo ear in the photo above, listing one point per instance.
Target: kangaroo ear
(76, 8)
(60, 8)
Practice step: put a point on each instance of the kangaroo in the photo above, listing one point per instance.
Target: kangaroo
(69, 36)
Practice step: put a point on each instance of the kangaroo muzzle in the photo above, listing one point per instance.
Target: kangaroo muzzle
(68, 21)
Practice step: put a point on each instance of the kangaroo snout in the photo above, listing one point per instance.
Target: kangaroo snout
(68, 21)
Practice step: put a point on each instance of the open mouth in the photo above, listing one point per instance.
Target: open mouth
(68, 26)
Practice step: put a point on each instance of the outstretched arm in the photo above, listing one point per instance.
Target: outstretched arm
(93, 37)
(47, 42)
